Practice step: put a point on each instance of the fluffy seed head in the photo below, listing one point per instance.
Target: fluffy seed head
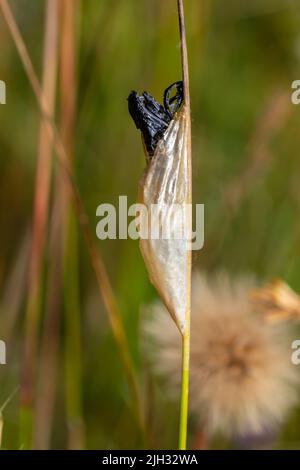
(241, 377)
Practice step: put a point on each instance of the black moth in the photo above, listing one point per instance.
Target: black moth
(151, 117)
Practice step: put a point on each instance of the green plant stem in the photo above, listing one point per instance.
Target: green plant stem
(72, 307)
(186, 334)
(185, 369)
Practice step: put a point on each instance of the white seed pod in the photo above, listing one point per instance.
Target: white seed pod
(165, 190)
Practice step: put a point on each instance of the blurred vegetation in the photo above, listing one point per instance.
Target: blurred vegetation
(243, 59)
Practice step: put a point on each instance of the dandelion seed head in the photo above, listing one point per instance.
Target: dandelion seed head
(241, 377)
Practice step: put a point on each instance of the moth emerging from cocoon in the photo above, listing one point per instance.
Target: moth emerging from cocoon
(166, 183)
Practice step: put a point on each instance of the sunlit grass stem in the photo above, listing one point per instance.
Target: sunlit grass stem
(39, 229)
(183, 424)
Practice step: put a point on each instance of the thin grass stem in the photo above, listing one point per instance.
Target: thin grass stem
(72, 310)
(39, 230)
(183, 424)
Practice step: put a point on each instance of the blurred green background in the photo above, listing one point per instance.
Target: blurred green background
(246, 170)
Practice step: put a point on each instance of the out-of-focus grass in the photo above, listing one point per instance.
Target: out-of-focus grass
(240, 58)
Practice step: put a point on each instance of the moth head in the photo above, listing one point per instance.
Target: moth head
(173, 98)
